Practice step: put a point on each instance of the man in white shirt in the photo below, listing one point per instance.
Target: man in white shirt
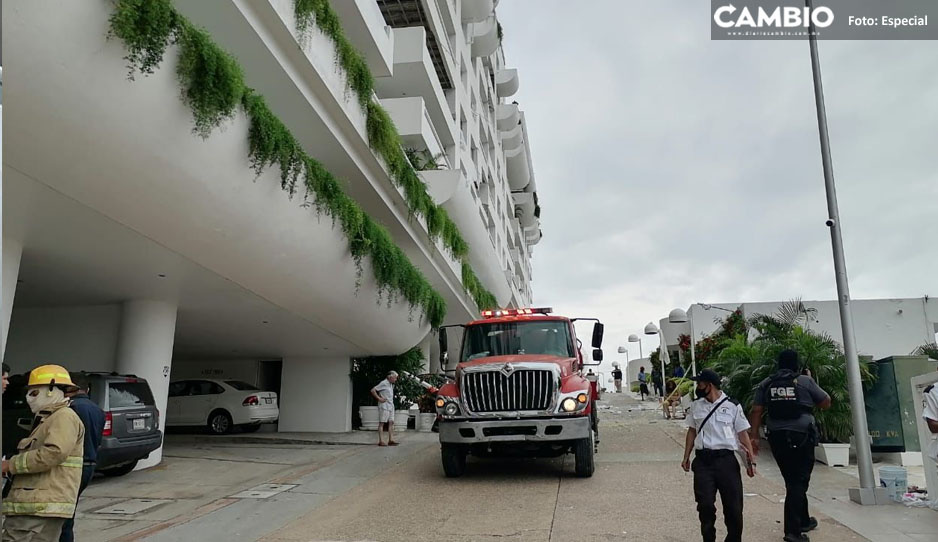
(384, 394)
(716, 430)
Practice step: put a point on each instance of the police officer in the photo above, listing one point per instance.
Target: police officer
(788, 399)
(716, 430)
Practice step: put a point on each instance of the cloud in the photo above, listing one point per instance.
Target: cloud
(673, 169)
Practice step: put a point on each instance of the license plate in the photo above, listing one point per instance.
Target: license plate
(268, 399)
(139, 424)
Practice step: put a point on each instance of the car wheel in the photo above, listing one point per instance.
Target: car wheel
(219, 422)
(583, 456)
(119, 470)
(250, 428)
(454, 460)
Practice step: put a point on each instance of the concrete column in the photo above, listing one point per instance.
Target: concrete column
(316, 395)
(145, 348)
(12, 254)
(426, 348)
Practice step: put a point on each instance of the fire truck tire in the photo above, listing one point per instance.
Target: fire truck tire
(583, 454)
(454, 460)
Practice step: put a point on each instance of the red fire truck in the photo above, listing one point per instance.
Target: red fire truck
(519, 389)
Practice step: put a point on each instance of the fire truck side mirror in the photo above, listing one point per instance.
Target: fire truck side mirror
(597, 335)
(443, 348)
(597, 354)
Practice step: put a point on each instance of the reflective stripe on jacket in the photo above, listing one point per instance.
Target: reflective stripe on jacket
(47, 467)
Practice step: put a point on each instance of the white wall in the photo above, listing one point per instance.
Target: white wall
(78, 338)
(883, 327)
(316, 395)
(228, 369)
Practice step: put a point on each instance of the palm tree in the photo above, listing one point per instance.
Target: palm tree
(927, 349)
(746, 363)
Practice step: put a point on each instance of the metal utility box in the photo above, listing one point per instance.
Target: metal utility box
(890, 408)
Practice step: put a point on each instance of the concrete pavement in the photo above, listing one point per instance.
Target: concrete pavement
(351, 492)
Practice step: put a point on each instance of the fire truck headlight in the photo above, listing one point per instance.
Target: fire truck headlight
(568, 404)
(450, 409)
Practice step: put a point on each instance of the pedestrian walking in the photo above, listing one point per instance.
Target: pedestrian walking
(656, 381)
(930, 414)
(47, 467)
(788, 399)
(642, 382)
(92, 418)
(384, 393)
(617, 378)
(6, 376)
(716, 430)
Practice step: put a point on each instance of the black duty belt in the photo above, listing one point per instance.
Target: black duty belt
(713, 454)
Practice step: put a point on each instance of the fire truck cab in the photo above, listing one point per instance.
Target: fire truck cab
(519, 390)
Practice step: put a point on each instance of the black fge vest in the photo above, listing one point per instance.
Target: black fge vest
(781, 398)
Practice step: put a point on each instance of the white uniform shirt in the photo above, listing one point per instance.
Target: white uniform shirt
(386, 390)
(930, 412)
(721, 430)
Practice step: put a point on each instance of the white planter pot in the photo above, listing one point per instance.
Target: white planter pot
(369, 415)
(833, 454)
(425, 421)
(400, 420)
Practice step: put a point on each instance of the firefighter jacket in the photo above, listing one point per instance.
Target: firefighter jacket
(47, 466)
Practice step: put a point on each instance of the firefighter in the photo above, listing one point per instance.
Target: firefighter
(47, 466)
(790, 397)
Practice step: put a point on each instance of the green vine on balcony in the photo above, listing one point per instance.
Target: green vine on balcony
(213, 88)
(385, 140)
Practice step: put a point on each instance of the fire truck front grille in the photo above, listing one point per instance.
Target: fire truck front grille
(492, 391)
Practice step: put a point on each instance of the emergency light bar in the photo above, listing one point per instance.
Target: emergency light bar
(515, 312)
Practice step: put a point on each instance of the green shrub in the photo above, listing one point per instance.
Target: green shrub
(211, 78)
(146, 27)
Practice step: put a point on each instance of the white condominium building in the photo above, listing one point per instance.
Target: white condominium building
(257, 189)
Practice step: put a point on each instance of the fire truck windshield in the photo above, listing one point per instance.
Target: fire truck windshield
(550, 338)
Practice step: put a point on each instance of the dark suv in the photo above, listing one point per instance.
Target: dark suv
(131, 429)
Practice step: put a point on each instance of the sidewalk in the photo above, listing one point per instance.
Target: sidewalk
(828, 494)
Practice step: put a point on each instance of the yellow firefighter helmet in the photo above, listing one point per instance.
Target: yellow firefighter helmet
(51, 375)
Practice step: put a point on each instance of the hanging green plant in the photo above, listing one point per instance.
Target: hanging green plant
(211, 78)
(213, 88)
(146, 27)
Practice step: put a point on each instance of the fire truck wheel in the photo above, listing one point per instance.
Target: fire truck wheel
(454, 460)
(583, 454)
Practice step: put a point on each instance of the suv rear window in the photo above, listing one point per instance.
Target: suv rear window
(241, 386)
(129, 394)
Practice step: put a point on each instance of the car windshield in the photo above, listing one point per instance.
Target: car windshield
(242, 386)
(551, 338)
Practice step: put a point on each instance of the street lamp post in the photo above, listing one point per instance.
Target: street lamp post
(633, 338)
(678, 316)
(652, 329)
(867, 492)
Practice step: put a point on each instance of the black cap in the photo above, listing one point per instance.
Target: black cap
(707, 375)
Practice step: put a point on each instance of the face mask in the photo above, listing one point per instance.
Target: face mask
(701, 393)
(44, 399)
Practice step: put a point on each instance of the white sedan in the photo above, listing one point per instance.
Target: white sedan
(220, 405)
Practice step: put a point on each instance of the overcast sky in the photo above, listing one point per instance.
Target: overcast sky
(672, 169)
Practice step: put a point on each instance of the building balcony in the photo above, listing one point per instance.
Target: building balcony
(415, 127)
(506, 82)
(365, 27)
(485, 37)
(512, 140)
(519, 171)
(476, 11)
(524, 208)
(441, 183)
(507, 116)
(436, 21)
(415, 76)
